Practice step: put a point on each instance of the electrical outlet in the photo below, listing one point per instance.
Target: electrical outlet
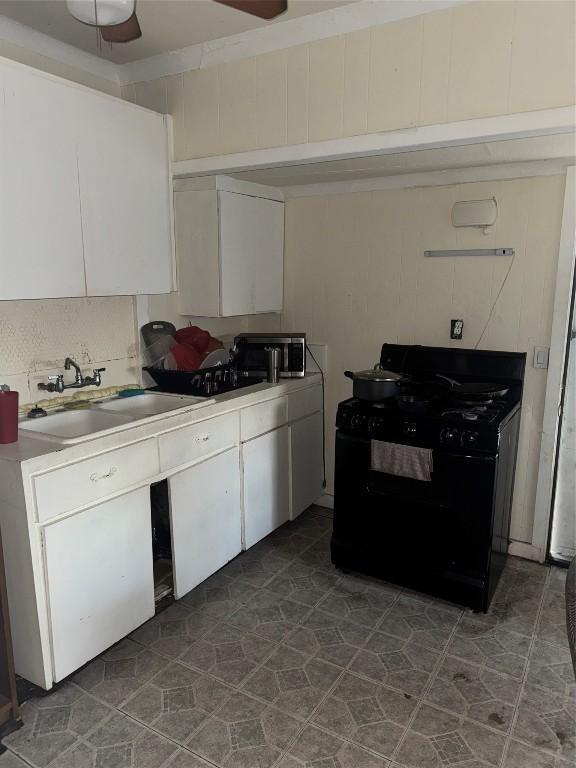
(456, 328)
(541, 355)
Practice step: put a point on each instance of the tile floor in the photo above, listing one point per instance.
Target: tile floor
(280, 661)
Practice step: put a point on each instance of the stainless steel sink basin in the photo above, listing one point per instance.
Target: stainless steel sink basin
(73, 426)
(96, 419)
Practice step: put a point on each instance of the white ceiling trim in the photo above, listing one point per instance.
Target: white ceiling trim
(479, 130)
(19, 34)
(432, 178)
(282, 34)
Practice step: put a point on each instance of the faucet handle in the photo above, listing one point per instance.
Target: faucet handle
(98, 370)
(56, 377)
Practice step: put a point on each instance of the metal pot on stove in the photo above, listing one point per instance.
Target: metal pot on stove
(375, 384)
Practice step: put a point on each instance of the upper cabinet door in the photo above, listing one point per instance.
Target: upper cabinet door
(125, 190)
(251, 254)
(40, 226)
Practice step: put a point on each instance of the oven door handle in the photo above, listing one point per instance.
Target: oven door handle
(476, 457)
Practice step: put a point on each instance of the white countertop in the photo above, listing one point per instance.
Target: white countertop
(44, 454)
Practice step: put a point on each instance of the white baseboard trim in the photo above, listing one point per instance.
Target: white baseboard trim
(527, 551)
(326, 500)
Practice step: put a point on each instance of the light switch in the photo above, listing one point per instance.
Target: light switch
(541, 355)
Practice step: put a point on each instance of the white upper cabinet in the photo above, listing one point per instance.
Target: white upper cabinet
(123, 167)
(85, 191)
(40, 227)
(230, 251)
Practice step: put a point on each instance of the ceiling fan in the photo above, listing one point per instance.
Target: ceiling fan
(118, 23)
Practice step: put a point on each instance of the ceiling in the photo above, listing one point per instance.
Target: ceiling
(167, 25)
(559, 147)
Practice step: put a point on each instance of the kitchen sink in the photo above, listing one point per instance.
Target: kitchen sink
(95, 419)
(73, 426)
(150, 404)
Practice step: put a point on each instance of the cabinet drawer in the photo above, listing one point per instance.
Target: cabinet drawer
(87, 481)
(261, 418)
(190, 443)
(304, 402)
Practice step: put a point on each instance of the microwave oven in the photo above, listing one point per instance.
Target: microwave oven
(251, 356)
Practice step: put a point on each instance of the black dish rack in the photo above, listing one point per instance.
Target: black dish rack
(205, 382)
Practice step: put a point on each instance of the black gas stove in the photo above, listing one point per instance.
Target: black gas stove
(446, 533)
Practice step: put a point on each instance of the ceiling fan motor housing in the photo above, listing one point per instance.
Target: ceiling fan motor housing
(101, 13)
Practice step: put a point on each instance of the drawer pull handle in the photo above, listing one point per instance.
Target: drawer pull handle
(202, 439)
(95, 477)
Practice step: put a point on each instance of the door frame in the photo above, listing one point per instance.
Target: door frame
(556, 370)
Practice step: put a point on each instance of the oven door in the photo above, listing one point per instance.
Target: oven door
(440, 526)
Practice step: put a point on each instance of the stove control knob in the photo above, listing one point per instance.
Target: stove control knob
(449, 435)
(374, 423)
(469, 439)
(409, 428)
(357, 422)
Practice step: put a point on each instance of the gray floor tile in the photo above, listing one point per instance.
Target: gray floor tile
(367, 713)
(184, 759)
(521, 756)
(547, 720)
(10, 760)
(557, 579)
(398, 663)
(269, 615)
(512, 614)
(286, 542)
(295, 682)
(475, 692)
(437, 739)
(422, 620)
(177, 701)
(492, 647)
(329, 638)
(552, 623)
(254, 569)
(360, 601)
(120, 671)
(245, 733)
(120, 742)
(218, 596)
(228, 653)
(303, 584)
(318, 555)
(54, 723)
(550, 667)
(315, 748)
(174, 630)
(314, 523)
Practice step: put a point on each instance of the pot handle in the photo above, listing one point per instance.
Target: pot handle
(349, 374)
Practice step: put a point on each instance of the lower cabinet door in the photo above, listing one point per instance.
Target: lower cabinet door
(307, 463)
(266, 468)
(99, 577)
(205, 519)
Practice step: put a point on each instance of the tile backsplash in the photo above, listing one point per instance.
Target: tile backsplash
(36, 336)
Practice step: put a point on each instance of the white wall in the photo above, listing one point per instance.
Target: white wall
(356, 276)
(36, 336)
(473, 60)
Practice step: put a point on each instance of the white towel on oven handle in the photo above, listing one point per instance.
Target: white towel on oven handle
(402, 460)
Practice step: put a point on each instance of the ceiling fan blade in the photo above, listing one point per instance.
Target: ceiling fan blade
(264, 9)
(122, 33)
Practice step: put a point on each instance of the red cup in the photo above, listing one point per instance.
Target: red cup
(8, 417)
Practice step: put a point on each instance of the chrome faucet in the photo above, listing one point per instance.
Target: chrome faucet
(56, 383)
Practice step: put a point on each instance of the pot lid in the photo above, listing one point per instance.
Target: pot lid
(378, 374)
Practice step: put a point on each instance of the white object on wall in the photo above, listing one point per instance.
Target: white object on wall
(475, 213)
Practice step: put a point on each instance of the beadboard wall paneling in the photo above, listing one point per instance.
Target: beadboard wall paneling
(474, 60)
(36, 336)
(356, 276)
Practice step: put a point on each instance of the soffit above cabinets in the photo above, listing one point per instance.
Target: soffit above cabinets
(557, 147)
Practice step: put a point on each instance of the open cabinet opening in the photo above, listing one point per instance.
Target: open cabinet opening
(161, 543)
